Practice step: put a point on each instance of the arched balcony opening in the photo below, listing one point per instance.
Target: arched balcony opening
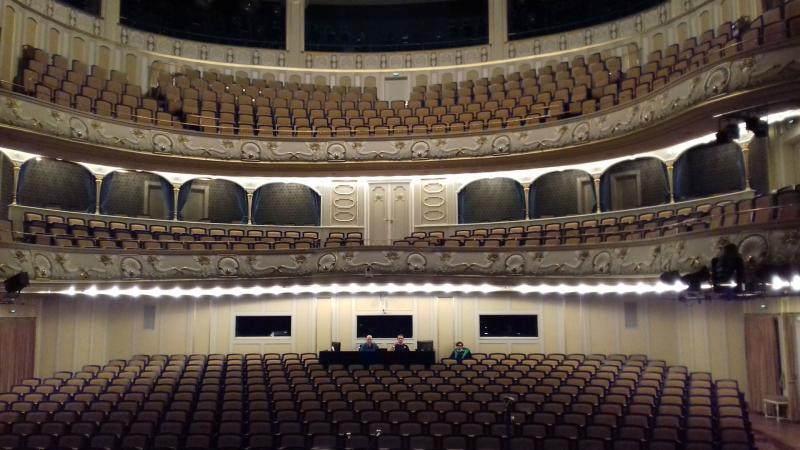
(52, 183)
(491, 200)
(286, 204)
(136, 194)
(212, 200)
(563, 193)
(708, 169)
(633, 184)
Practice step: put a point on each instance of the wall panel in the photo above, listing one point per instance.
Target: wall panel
(661, 319)
(120, 328)
(632, 339)
(707, 336)
(603, 325)
(17, 350)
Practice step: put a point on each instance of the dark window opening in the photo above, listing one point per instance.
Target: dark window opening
(509, 325)
(248, 23)
(395, 26)
(263, 326)
(529, 18)
(88, 6)
(385, 326)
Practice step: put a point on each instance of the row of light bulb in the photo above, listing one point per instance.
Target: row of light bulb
(779, 284)
(379, 288)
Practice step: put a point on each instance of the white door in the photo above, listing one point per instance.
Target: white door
(389, 209)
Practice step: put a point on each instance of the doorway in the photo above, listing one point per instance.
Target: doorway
(763, 356)
(17, 350)
(389, 212)
(154, 206)
(586, 200)
(626, 190)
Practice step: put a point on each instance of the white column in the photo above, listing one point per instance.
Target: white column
(110, 10)
(671, 180)
(746, 159)
(498, 28)
(295, 32)
(527, 190)
(11, 36)
(176, 190)
(16, 168)
(597, 193)
(250, 207)
(98, 188)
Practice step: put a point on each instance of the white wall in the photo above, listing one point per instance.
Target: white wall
(704, 337)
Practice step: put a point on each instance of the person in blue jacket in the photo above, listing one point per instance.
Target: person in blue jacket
(368, 346)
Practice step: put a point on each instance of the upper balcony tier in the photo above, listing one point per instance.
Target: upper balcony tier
(109, 114)
(581, 101)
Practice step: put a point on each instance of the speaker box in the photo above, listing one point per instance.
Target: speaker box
(17, 283)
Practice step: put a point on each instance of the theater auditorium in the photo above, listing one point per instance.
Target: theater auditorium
(399, 224)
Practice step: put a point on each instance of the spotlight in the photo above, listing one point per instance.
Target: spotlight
(671, 277)
(785, 284)
(759, 127)
(15, 284)
(728, 133)
(695, 280)
(727, 270)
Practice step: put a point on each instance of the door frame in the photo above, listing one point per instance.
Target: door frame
(148, 185)
(583, 203)
(388, 187)
(615, 192)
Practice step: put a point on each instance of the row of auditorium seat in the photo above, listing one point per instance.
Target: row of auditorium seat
(64, 231)
(761, 210)
(95, 233)
(219, 103)
(562, 402)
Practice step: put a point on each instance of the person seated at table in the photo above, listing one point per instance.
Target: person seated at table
(368, 346)
(460, 353)
(399, 345)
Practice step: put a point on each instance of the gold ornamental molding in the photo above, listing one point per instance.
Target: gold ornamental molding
(777, 244)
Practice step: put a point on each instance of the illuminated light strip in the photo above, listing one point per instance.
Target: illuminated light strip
(781, 116)
(779, 284)
(381, 288)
